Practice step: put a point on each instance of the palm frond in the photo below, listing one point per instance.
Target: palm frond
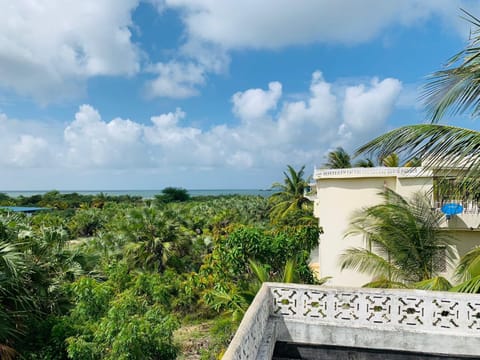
(437, 283)
(384, 283)
(259, 270)
(469, 265)
(290, 273)
(338, 159)
(437, 145)
(406, 233)
(366, 261)
(7, 352)
(469, 286)
(456, 89)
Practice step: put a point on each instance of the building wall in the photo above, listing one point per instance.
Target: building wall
(337, 200)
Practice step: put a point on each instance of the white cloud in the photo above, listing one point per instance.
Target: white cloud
(24, 144)
(297, 132)
(255, 103)
(213, 29)
(49, 48)
(176, 80)
(278, 23)
(366, 108)
(89, 141)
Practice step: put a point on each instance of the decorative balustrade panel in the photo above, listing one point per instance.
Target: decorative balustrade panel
(409, 310)
(456, 316)
(369, 172)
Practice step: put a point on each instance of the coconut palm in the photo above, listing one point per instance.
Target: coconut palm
(403, 241)
(468, 272)
(453, 90)
(391, 160)
(338, 159)
(365, 163)
(289, 197)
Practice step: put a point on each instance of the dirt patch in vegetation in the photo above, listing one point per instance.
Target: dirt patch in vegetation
(193, 340)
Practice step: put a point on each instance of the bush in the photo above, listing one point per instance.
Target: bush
(172, 194)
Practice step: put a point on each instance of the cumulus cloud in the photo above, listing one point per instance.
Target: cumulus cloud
(365, 108)
(215, 29)
(92, 142)
(49, 48)
(255, 103)
(270, 132)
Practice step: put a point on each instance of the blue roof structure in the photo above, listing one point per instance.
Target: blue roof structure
(23, 209)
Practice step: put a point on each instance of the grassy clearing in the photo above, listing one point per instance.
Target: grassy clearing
(193, 340)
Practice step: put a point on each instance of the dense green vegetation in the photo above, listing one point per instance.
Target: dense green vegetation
(404, 242)
(100, 277)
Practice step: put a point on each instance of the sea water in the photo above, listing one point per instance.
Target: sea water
(146, 194)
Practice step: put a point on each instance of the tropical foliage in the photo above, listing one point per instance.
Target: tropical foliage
(289, 202)
(97, 277)
(403, 241)
(453, 90)
(338, 159)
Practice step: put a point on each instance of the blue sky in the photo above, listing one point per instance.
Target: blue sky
(131, 94)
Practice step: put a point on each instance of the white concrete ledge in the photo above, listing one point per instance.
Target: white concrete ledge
(407, 320)
(401, 172)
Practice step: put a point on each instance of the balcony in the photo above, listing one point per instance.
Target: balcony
(468, 219)
(387, 320)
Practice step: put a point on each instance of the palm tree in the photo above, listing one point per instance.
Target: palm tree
(289, 198)
(338, 159)
(391, 160)
(403, 241)
(365, 163)
(468, 272)
(453, 90)
(12, 302)
(151, 236)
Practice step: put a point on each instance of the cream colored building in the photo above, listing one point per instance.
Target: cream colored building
(340, 192)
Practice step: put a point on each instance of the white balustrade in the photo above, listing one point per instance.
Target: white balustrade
(372, 172)
(438, 314)
(430, 311)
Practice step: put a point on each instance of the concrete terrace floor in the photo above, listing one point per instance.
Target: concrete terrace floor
(289, 351)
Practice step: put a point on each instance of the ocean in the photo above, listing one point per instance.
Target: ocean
(147, 194)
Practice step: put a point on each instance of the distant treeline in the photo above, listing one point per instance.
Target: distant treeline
(55, 199)
(63, 201)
